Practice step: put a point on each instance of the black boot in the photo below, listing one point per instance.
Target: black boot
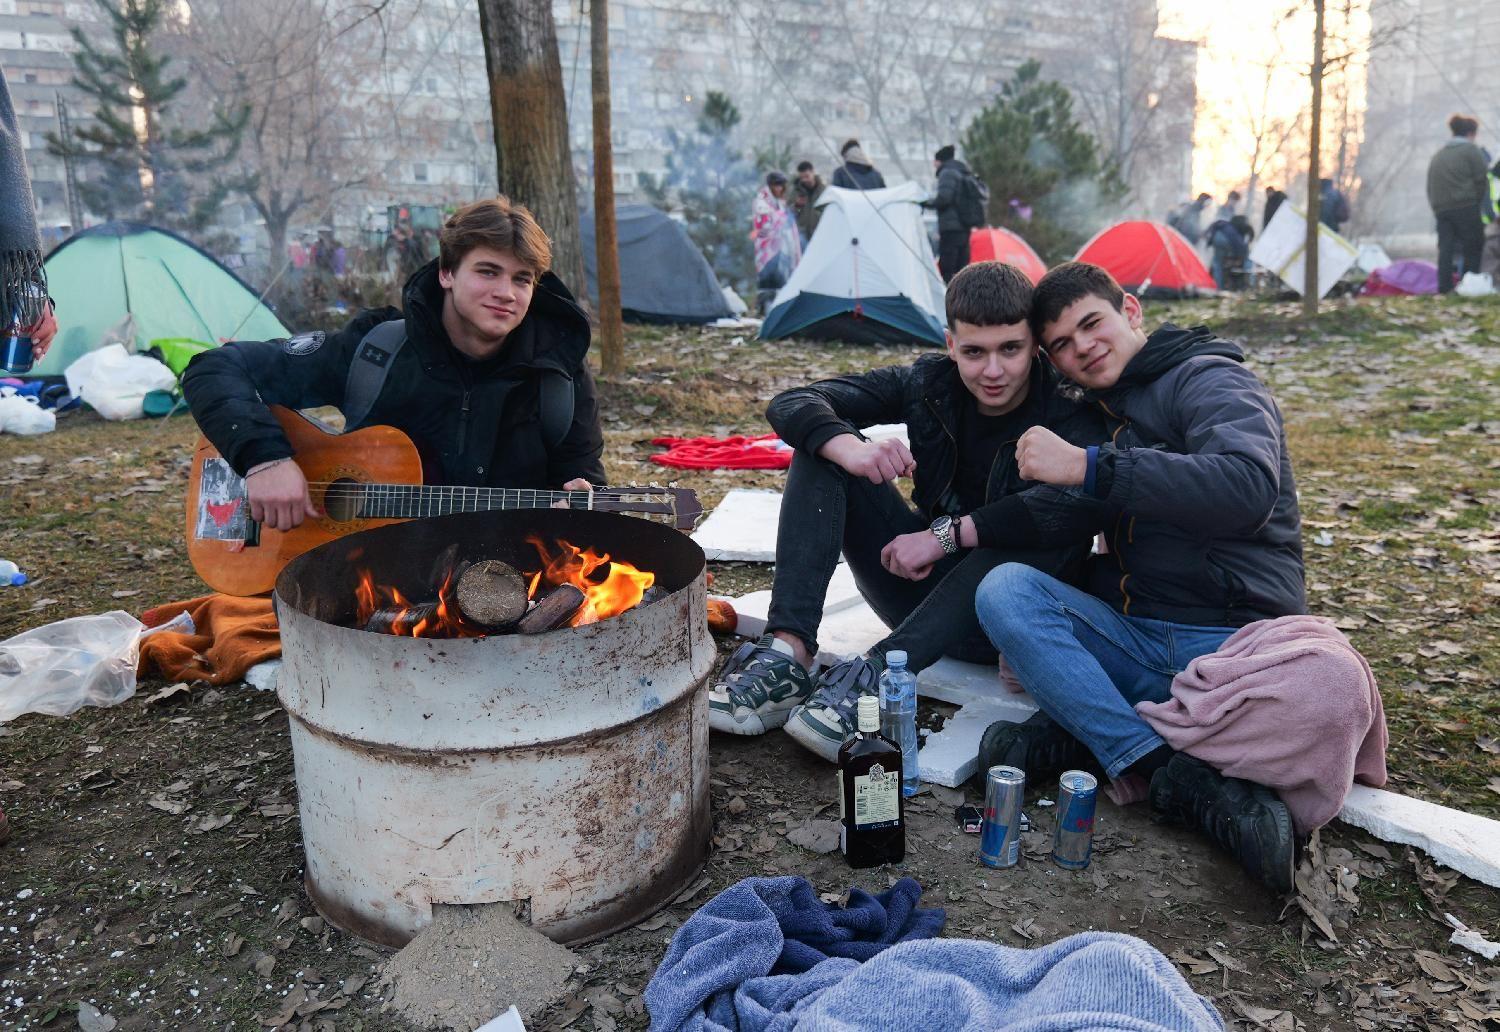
(1243, 818)
(1039, 746)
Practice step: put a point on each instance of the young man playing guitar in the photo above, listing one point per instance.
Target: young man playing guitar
(488, 374)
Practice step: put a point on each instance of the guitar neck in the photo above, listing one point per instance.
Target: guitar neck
(409, 502)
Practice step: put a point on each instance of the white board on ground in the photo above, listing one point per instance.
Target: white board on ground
(1281, 246)
(1463, 841)
(742, 527)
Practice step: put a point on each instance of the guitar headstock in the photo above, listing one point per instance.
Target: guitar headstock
(676, 506)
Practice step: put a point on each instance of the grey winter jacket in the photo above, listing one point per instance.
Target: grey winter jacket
(1202, 521)
(1206, 528)
(1458, 176)
(950, 184)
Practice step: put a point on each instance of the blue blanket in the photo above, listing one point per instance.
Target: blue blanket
(736, 967)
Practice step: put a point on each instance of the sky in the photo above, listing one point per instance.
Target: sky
(1238, 44)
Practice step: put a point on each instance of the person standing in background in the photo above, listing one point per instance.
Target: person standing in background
(1458, 190)
(777, 249)
(857, 172)
(1274, 197)
(808, 187)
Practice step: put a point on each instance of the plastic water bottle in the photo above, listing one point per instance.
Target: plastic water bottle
(898, 716)
(10, 574)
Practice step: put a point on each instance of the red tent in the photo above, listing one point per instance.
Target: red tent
(1149, 258)
(990, 243)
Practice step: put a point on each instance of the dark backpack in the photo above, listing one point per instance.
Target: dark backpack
(973, 201)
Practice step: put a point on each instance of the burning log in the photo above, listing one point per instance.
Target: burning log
(556, 609)
(491, 594)
(400, 619)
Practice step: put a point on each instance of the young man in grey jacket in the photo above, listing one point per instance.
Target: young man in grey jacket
(1203, 532)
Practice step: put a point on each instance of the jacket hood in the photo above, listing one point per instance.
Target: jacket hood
(554, 334)
(1170, 346)
(957, 163)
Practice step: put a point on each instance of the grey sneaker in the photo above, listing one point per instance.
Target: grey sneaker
(756, 690)
(828, 717)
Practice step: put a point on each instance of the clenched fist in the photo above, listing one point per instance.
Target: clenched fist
(879, 462)
(1043, 456)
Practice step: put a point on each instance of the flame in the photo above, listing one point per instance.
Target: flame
(609, 587)
(620, 589)
(413, 621)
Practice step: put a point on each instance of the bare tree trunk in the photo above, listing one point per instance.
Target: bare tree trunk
(533, 162)
(1314, 201)
(606, 250)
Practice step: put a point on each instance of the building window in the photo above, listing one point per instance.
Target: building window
(419, 171)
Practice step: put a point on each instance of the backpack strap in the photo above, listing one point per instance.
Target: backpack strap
(372, 364)
(555, 400)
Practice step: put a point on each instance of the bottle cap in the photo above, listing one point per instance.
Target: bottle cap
(896, 658)
(17, 579)
(869, 713)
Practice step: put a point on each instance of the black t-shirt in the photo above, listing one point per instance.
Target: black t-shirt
(979, 440)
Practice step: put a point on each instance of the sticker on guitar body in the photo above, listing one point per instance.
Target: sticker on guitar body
(223, 508)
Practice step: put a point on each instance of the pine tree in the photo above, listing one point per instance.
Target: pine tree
(142, 165)
(715, 186)
(1043, 169)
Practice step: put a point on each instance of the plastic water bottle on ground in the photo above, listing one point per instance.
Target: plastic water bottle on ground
(10, 574)
(898, 716)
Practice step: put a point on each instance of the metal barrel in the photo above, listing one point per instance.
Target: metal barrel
(1000, 835)
(1073, 840)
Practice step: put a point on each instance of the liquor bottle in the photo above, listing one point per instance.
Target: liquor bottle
(898, 716)
(872, 812)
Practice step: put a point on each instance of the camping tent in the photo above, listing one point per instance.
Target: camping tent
(868, 274)
(664, 278)
(168, 286)
(1149, 259)
(1283, 242)
(991, 243)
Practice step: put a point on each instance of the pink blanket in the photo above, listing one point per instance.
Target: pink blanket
(1285, 703)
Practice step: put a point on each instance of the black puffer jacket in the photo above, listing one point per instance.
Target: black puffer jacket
(1206, 528)
(950, 186)
(477, 423)
(928, 397)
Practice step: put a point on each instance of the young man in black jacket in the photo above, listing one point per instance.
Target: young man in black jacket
(488, 375)
(963, 411)
(1203, 538)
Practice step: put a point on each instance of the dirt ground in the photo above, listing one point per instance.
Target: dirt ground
(154, 871)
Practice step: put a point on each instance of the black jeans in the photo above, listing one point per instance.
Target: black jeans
(825, 511)
(1461, 228)
(953, 252)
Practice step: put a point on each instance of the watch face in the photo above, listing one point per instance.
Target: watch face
(941, 523)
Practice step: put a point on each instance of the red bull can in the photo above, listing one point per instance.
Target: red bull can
(1000, 835)
(1073, 840)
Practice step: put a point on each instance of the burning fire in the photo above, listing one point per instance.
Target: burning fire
(620, 587)
(619, 590)
(412, 620)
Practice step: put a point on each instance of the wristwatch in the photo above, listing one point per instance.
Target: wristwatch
(943, 527)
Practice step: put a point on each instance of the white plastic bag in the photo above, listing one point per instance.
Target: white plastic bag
(21, 414)
(1475, 284)
(115, 383)
(63, 666)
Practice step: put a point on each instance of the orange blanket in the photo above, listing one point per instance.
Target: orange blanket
(233, 634)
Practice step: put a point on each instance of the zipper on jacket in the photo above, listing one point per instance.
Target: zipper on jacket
(463, 422)
(954, 473)
(1130, 534)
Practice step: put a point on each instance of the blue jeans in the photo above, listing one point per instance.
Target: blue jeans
(1084, 663)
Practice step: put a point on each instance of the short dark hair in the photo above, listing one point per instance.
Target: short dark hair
(1234, 195)
(1205, 197)
(1463, 125)
(988, 294)
(774, 178)
(1066, 284)
(945, 153)
(496, 223)
(804, 166)
(851, 142)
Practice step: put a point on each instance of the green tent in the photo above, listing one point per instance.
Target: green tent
(173, 290)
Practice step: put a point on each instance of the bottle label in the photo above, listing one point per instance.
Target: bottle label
(877, 798)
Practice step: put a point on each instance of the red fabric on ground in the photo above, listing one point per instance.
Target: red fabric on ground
(763, 452)
(233, 634)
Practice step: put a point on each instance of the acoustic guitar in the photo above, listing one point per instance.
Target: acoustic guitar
(365, 478)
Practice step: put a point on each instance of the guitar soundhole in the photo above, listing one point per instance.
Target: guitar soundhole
(341, 501)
